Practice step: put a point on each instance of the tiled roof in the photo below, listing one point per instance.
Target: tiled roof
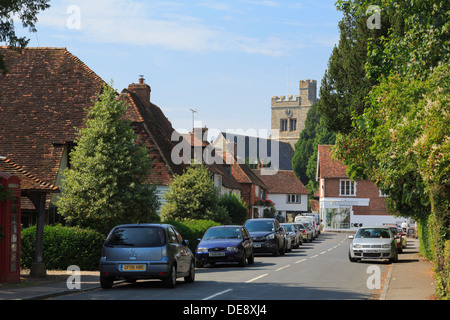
(253, 144)
(28, 182)
(328, 167)
(155, 131)
(283, 181)
(42, 99)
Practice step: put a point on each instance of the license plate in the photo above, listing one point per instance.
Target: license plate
(372, 251)
(132, 267)
(257, 245)
(217, 254)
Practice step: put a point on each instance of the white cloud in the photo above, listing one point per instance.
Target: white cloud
(160, 24)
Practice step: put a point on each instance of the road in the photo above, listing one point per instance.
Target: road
(316, 271)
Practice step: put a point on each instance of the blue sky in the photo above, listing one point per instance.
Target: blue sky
(226, 59)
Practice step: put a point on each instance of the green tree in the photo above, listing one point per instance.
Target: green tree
(235, 206)
(27, 11)
(192, 195)
(304, 161)
(107, 182)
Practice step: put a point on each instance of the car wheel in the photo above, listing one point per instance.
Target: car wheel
(106, 282)
(243, 260)
(350, 258)
(251, 259)
(171, 279)
(191, 277)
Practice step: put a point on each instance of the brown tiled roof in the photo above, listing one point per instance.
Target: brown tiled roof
(28, 182)
(283, 181)
(155, 132)
(42, 99)
(328, 167)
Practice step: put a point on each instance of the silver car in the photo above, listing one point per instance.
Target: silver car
(373, 243)
(146, 251)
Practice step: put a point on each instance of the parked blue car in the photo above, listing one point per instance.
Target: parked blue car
(228, 243)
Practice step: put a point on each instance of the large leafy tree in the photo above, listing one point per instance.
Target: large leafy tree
(107, 182)
(400, 139)
(26, 11)
(304, 162)
(192, 195)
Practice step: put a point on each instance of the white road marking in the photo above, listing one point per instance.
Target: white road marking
(217, 294)
(259, 277)
(283, 267)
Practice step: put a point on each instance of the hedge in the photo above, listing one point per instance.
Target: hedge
(62, 247)
(65, 246)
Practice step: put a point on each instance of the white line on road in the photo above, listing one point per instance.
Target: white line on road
(314, 256)
(300, 261)
(251, 280)
(217, 294)
(323, 252)
(283, 267)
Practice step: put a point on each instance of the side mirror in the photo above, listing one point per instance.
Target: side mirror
(185, 242)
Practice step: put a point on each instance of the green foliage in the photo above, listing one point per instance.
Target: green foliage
(63, 246)
(304, 162)
(106, 184)
(26, 11)
(235, 206)
(192, 230)
(192, 195)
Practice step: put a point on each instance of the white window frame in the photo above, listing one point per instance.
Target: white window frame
(293, 198)
(350, 184)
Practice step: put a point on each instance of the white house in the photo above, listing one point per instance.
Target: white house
(287, 192)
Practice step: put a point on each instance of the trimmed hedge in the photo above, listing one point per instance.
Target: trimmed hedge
(192, 230)
(65, 246)
(62, 247)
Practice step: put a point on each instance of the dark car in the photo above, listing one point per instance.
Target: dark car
(267, 234)
(227, 243)
(294, 233)
(146, 251)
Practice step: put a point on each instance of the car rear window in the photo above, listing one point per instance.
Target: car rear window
(260, 225)
(137, 237)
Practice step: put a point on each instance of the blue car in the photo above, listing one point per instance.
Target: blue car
(227, 243)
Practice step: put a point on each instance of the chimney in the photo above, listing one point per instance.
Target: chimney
(142, 90)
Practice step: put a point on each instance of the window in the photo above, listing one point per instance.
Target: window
(382, 194)
(293, 124)
(256, 191)
(283, 125)
(293, 198)
(347, 188)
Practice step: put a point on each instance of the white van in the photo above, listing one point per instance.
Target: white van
(311, 220)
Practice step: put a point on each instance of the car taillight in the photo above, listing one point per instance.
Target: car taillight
(304, 231)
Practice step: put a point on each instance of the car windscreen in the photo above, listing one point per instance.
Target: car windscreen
(289, 227)
(373, 233)
(137, 237)
(260, 226)
(300, 226)
(222, 233)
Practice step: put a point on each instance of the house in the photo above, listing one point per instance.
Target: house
(254, 190)
(287, 192)
(274, 154)
(43, 99)
(345, 204)
(220, 172)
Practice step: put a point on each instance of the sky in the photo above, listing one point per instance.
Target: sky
(223, 59)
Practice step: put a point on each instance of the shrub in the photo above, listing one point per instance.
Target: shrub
(192, 230)
(62, 247)
(237, 210)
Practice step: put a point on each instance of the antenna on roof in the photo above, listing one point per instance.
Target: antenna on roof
(193, 111)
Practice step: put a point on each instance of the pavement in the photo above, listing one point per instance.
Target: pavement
(411, 278)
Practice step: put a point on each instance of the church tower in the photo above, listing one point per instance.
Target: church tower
(289, 113)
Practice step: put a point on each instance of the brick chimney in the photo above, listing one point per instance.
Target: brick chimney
(142, 90)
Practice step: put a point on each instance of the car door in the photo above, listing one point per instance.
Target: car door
(175, 249)
(185, 253)
(248, 244)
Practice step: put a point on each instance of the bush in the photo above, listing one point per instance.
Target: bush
(237, 210)
(192, 230)
(62, 247)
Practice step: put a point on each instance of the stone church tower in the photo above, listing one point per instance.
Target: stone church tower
(289, 113)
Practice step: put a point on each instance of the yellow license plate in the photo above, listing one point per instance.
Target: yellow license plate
(132, 267)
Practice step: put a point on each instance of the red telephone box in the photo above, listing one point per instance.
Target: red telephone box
(10, 228)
